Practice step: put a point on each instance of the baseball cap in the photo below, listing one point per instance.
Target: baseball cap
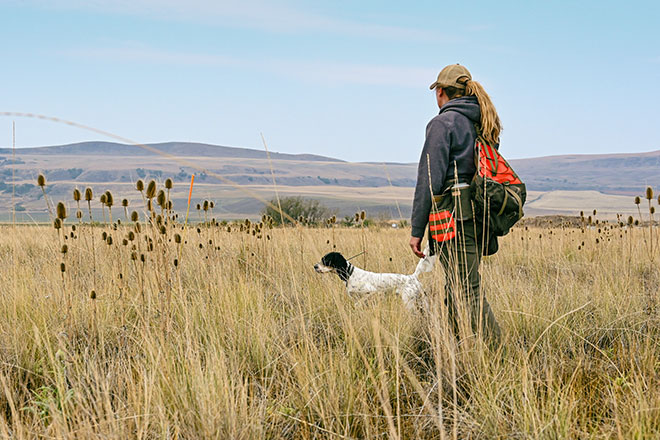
(451, 75)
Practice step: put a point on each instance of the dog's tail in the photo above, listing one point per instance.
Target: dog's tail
(425, 264)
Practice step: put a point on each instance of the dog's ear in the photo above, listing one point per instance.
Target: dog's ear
(334, 260)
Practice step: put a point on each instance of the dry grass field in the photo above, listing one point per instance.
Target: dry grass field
(231, 334)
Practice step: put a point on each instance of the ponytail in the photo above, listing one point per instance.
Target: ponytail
(490, 121)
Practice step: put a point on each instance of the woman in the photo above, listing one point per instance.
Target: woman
(442, 195)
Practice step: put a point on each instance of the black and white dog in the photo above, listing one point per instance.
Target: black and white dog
(360, 281)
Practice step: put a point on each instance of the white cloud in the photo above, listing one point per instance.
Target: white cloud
(318, 72)
(254, 14)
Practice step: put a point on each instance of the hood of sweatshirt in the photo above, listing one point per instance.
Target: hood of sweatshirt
(468, 106)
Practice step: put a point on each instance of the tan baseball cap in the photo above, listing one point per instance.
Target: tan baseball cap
(453, 75)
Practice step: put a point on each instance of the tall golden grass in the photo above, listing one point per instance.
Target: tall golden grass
(227, 332)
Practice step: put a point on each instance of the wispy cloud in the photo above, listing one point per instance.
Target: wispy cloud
(311, 71)
(267, 15)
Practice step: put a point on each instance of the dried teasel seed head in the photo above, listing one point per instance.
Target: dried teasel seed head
(163, 230)
(109, 200)
(92, 294)
(652, 209)
(594, 212)
(143, 258)
(62, 267)
(363, 215)
(636, 222)
(73, 227)
(198, 206)
(161, 199)
(109, 240)
(104, 235)
(138, 227)
(649, 193)
(79, 214)
(133, 255)
(76, 195)
(131, 235)
(176, 262)
(41, 180)
(150, 206)
(637, 200)
(357, 216)
(139, 185)
(151, 189)
(159, 219)
(89, 194)
(177, 238)
(65, 249)
(124, 203)
(211, 205)
(61, 211)
(57, 223)
(103, 198)
(630, 220)
(205, 205)
(168, 183)
(124, 242)
(134, 216)
(334, 219)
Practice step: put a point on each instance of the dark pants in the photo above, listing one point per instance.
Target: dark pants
(460, 258)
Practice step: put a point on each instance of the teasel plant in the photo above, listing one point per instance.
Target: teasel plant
(124, 204)
(102, 199)
(89, 196)
(649, 198)
(169, 184)
(76, 198)
(109, 202)
(41, 182)
(363, 217)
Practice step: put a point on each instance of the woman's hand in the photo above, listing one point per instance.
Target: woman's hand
(415, 244)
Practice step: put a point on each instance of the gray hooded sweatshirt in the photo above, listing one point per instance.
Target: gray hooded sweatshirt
(450, 139)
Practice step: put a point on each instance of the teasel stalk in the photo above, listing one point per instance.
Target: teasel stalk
(41, 182)
(102, 199)
(124, 204)
(649, 198)
(77, 195)
(205, 207)
(169, 184)
(161, 199)
(89, 196)
(109, 202)
(363, 217)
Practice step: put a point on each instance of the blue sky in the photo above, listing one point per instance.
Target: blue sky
(347, 79)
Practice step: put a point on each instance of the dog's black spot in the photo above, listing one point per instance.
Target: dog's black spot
(337, 261)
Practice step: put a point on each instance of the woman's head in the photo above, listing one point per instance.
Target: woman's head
(455, 81)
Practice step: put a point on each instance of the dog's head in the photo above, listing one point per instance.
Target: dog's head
(332, 262)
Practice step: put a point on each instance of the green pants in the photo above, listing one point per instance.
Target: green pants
(460, 258)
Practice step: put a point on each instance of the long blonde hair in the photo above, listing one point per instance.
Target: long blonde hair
(491, 126)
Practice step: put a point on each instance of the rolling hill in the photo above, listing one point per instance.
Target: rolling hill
(239, 179)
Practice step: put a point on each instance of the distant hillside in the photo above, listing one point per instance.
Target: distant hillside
(557, 184)
(626, 174)
(182, 149)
